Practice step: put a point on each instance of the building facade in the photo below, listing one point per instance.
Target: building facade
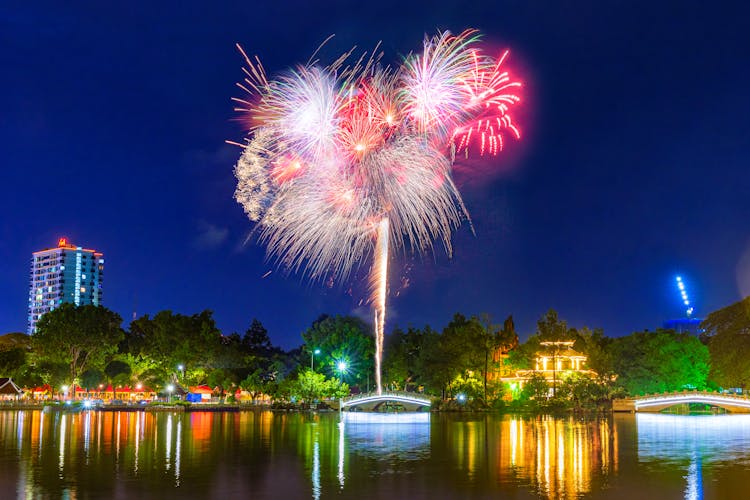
(555, 361)
(64, 274)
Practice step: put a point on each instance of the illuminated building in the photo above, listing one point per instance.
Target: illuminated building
(555, 361)
(64, 274)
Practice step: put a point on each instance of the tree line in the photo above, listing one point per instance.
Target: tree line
(469, 357)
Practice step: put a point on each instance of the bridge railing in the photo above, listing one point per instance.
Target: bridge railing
(416, 396)
(682, 394)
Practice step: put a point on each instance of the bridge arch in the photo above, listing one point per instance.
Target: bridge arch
(374, 401)
(657, 402)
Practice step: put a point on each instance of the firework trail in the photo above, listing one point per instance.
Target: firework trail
(350, 161)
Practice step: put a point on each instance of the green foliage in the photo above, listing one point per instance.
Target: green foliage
(535, 389)
(175, 339)
(91, 378)
(81, 337)
(727, 333)
(651, 362)
(341, 338)
(312, 386)
(597, 347)
(471, 385)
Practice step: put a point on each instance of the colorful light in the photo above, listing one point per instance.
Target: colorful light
(684, 296)
(348, 162)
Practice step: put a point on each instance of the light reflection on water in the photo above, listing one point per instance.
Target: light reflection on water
(693, 443)
(145, 455)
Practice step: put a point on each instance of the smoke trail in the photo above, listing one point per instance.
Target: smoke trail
(379, 281)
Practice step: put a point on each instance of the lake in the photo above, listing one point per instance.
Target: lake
(263, 454)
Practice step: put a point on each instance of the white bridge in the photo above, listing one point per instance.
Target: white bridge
(372, 400)
(658, 402)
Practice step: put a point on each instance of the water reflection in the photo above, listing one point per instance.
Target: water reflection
(271, 455)
(560, 458)
(695, 445)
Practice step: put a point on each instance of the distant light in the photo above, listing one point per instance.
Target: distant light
(170, 388)
(679, 278)
(461, 397)
(64, 388)
(687, 302)
(317, 351)
(68, 402)
(180, 367)
(139, 386)
(87, 404)
(342, 366)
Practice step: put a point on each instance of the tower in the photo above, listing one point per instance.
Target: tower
(64, 274)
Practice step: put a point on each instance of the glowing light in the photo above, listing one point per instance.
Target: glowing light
(684, 295)
(348, 162)
(342, 366)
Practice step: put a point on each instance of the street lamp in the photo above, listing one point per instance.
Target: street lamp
(170, 388)
(181, 369)
(341, 366)
(65, 391)
(312, 359)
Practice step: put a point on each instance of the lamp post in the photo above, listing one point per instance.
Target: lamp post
(170, 388)
(181, 369)
(342, 367)
(65, 391)
(312, 359)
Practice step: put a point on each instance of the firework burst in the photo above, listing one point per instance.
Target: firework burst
(346, 163)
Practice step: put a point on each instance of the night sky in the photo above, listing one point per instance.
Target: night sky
(634, 164)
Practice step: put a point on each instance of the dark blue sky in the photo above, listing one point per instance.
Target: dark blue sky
(634, 165)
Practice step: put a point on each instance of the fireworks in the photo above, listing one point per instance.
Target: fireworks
(348, 162)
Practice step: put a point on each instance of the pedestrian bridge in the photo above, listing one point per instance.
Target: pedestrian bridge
(372, 401)
(657, 402)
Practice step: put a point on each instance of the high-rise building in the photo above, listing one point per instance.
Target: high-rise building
(65, 274)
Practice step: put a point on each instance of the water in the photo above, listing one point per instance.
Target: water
(288, 456)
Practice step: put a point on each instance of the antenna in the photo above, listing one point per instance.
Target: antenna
(684, 296)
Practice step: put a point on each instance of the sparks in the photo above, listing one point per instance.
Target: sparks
(348, 162)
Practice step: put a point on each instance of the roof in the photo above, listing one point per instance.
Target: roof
(8, 387)
(563, 353)
(201, 389)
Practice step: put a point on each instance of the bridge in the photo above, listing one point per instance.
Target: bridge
(372, 401)
(655, 403)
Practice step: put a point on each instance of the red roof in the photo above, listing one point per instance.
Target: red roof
(201, 389)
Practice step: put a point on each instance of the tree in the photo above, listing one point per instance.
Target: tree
(175, 339)
(596, 346)
(256, 340)
(81, 337)
(648, 362)
(727, 333)
(536, 388)
(311, 386)
(341, 338)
